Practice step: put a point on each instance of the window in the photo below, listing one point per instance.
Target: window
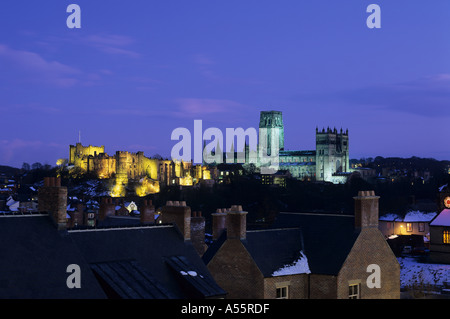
(408, 226)
(282, 292)
(353, 291)
(446, 236)
(421, 227)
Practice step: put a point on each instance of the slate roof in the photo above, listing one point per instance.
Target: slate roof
(127, 280)
(271, 249)
(125, 262)
(442, 219)
(297, 153)
(34, 259)
(193, 279)
(327, 238)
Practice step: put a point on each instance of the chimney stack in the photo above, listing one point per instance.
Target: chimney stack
(178, 213)
(107, 208)
(366, 209)
(236, 223)
(219, 223)
(52, 199)
(198, 232)
(147, 211)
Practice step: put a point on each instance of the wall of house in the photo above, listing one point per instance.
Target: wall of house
(399, 228)
(297, 286)
(236, 272)
(322, 286)
(439, 252)
(370, 248)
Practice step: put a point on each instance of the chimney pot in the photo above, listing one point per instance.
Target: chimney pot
(218, 223)
(236, 223)
(366, 209)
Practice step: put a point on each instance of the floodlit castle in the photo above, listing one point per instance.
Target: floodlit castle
(125, 166)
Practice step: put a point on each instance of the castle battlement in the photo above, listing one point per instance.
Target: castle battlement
(331, 131)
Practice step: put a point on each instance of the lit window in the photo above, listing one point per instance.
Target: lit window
(408, 226)
(353, 291)
(282, 292)
(421, 227)
(446, 236)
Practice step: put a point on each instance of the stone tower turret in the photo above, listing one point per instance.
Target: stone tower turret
(273, 122)
(332, 155)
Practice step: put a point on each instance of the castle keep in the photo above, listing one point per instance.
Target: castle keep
(124, 166)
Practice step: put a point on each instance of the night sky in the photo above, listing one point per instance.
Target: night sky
(136, 70)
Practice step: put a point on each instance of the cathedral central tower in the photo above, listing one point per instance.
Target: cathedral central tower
(273, 122)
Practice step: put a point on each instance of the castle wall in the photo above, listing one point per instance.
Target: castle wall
(79, 150)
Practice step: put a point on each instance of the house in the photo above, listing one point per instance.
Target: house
(317, 256)
(277, 179)
(256, 264)
(440, 229)
(440, 237)
(413, 223)
(140, 261)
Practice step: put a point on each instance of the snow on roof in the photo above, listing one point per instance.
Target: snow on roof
(412, 216)
(418, 216)
(300, 266)
(389, 217)
(443, 219)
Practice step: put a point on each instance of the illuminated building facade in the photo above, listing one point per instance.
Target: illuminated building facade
(328, 162)
(150, 173)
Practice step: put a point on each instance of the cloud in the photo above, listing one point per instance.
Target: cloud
(195, 106)
(202, 59)
(111, 44)
(37, 69)
(12, 149)
(216, 110)
(427, 96)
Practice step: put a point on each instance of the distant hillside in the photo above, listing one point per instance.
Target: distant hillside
(9, 170)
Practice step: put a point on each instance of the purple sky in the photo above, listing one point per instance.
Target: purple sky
(135, 72)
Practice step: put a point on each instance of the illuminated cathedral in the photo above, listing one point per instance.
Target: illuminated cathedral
(328, 162)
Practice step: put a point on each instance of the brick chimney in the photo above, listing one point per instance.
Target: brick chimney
(147, 211)
(366, 209)
(107, 208)
(236, 223)
(198, 232)
(52, 199)
(78, 216)
(179, 214)
(219, 220)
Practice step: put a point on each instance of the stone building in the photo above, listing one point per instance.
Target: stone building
(124, 166)
(305, 256)
(328, 162)
(440, 229)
